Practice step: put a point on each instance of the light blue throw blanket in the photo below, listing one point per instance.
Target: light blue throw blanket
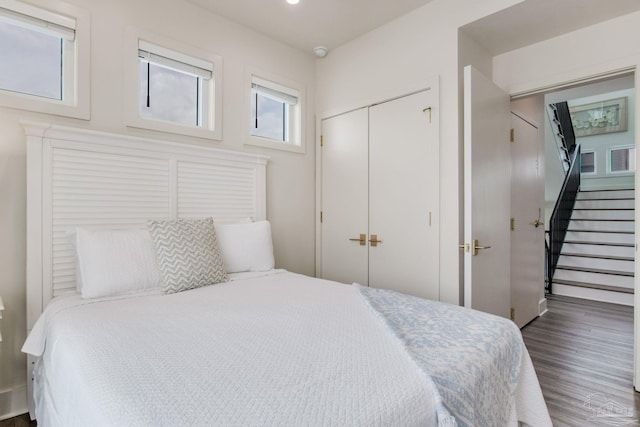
(471, 358)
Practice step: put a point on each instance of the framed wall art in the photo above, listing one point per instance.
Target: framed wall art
(599, 117)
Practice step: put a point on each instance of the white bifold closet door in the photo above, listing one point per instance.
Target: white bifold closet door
(345, 197)
(380, 180)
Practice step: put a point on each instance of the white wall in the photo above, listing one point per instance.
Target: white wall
(397, 58)
(589, 52)
(290, 188)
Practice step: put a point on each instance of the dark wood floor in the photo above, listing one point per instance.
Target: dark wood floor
(583, 354)
(20, 421)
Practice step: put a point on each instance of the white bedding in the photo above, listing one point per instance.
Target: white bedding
(280, 349)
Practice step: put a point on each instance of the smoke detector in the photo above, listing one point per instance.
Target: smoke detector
(320, 51)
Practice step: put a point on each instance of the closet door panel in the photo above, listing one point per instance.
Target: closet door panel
(345, 207)
(404, 196)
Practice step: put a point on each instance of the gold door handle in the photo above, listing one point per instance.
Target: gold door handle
(362, 239)
(374, 240)
(465, 247)
(537, 223)
(475, 247)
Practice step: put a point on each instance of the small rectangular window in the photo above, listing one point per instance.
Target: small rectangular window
(171, 85)
(622, 159)
(588, 162)
(271, 110)
(36, 52)
(275, 115)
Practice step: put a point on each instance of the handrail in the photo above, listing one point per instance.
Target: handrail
(566, 126)
(547, 281)
(563, 133)
(562, 211)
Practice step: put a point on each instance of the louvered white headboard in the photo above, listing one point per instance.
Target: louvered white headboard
(77, 177)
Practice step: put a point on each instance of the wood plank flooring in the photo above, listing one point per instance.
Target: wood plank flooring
(19, 421)
(583, 354)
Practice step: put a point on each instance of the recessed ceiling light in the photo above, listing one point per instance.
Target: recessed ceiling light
(293, 1)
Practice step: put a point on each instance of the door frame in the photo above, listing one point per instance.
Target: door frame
(590, 74)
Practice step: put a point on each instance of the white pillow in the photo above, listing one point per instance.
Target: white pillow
(246, 246)
(112, 262)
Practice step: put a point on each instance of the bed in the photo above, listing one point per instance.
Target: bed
(242, 343)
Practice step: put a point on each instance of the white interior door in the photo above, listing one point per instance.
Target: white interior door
(404, 188)
(345, 197)
(487, 195)
(527, 236)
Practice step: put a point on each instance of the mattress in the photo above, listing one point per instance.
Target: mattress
(277, 349)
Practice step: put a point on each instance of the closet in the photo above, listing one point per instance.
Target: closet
(380, 195)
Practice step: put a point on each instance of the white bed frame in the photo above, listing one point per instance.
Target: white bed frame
(78, 177)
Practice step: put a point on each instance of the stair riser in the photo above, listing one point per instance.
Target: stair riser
(615, 251)
(598, 263)
(627, 214)
(594, 278)
(576, 224)
(593, 294)
(617, 194)
(600, 237)
(605, 204)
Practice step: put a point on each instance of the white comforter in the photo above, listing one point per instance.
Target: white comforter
(283, 350)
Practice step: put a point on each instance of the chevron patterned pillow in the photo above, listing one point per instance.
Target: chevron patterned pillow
(188, 254)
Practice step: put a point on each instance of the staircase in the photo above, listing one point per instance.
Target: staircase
(597, 257)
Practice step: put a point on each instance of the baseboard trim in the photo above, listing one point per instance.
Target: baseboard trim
(542, 307)
(13, 402)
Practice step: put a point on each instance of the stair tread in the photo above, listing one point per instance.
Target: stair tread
(614, 258)
(579, 230)
(604, 209)
(594, 286)
(584, 242)
(606, 189)
(603, 219)
(594, 270)
(608, 199)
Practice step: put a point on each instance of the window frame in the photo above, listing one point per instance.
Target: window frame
(211, 102)
(595, 162)
(296, 113)
(76, 58)
(632, 160)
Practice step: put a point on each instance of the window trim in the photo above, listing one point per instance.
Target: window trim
(211, 112)
(297, 123)
(76, 74)
(632, 160)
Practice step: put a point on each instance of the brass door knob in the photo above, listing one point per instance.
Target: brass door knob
(537, 223)
(475, 247)
(374, 240)
(362, 239)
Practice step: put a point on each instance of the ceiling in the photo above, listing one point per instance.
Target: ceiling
(332, 23)
(311, 23)
(533, 21)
